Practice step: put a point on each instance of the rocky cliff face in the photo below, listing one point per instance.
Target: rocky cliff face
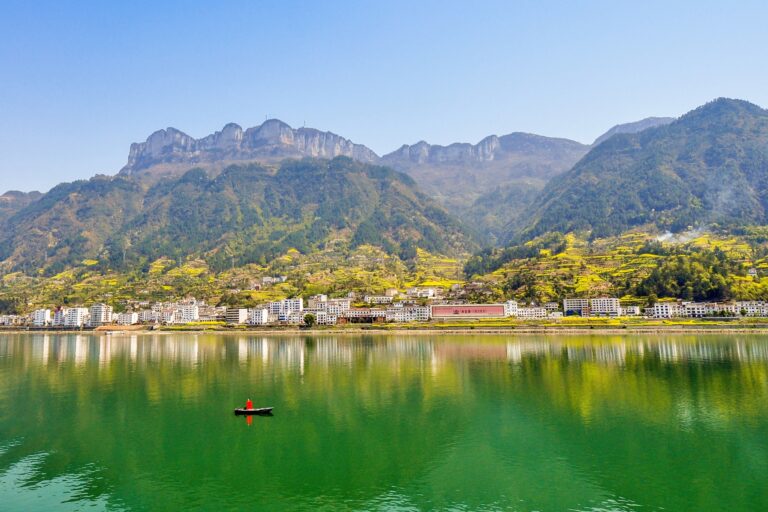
(273, 140)
(506, 148)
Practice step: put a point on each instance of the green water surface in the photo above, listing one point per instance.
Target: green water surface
(547, 423)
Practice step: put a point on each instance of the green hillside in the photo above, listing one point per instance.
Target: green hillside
(638, 266)
(710, 167)
(246, 214)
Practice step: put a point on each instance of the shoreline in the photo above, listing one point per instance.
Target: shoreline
(426, 331)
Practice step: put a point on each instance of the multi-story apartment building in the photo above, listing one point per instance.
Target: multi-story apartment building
(100, 314)
(187, 313)
(409, 314)
(510, 308)
(338, 307)
(695, 309)
(149, 316)
(666, 310)
(323, 318)
(58, 317)
(258, 316)
(753, 308)
(237, 315)
(576, 307)
(533, 313)
(286, 306)
(76, 317)
(605, 306)
(127, 318)
(41, 318)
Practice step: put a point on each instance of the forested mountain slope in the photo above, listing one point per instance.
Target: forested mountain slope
(246, 213)
(708, 167)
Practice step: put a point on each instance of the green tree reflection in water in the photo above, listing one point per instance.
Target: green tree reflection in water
(366, 422)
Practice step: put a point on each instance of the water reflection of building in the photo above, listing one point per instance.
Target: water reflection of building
(300, 352)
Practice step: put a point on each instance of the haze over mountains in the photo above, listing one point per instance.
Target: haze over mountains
(261, 190)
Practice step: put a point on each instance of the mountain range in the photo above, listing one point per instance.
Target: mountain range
(490, 184)
(242, 196)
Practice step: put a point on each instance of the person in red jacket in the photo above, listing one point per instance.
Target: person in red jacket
(248, 404)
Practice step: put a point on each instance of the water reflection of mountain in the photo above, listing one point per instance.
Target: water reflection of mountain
(296, 351)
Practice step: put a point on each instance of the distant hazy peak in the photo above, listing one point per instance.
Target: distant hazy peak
(492, 147)
(272, 140)
(637, 126)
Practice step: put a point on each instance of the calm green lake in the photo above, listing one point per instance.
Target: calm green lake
(546, 423)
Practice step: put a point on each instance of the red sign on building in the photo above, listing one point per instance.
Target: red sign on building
(468, 311)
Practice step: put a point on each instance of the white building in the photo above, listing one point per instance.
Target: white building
(630, 310)
(286, 306)
(101, 314)
(10, 320)
(666, 310)
(76, 317)
(237, 315)
(59, 316)
(753, 308)
(323, 318)
(338, 306)
(187, 313)
(605, 306)
(41, 318)
(258, 316)
(409, 314)
(127, 318)
(576, 307)
(532, 313)
(718, 308)
(510, 308)
(695, 309)
(365, 313)
(377, 299)
(149, 316)
(293, 317)
(422, 293)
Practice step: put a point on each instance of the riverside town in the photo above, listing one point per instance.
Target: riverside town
(416, 305)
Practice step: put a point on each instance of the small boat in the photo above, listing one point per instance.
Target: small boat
(260, 411)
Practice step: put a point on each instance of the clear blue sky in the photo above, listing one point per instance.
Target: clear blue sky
(80, 81)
